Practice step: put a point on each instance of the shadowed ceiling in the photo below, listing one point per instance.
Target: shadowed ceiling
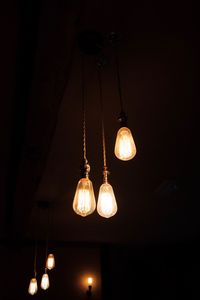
(42, 130)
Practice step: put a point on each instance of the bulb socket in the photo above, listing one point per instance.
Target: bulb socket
(105, 175)
(89, 291)
(85, 169)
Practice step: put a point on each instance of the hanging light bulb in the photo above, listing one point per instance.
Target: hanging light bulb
(106, 205)
(45, 281)
(125, 148)
(84, 200)
(90, 280)
(32, 289)
(50, 263)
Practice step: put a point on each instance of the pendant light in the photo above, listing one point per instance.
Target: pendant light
(33, 287)
(45, 277)
(50, 263)
(84, 200)
(45, 281)
(125, 148)
(106, 205)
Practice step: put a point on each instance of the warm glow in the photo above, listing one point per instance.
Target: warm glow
(107, 205)
(125, 148)
(84, 201)
(90, 280)
(50, 264)
(32, 289)
(45, 281)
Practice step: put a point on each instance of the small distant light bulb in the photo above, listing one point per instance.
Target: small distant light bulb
(90, 280)
(32, 289)
(50, 264)
(125, 148)
(45, 281)
(106, 205)
(84, 200)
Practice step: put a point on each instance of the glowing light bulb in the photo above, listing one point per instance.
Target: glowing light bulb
(107, 205)
(45, 281)
(84, 200)
(50, 263)
(32, 289)
(90, 280)
(125, 148)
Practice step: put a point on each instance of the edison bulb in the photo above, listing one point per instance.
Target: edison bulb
(90, 280)
(45, 281)
(125, 148)
(50, 263)
(84, 200)
(107, 205)
(32, 289)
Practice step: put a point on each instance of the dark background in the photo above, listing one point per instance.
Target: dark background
(150, 248)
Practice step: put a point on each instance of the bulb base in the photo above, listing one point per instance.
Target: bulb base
(89, 291)
(85, 169)
(105, 175)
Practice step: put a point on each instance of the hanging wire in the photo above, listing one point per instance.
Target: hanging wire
(35, 260)
(51, 222)
(105, 169)
(83, 107)
(35, 250)
(46, 252)
(119, 79)
(47, 234)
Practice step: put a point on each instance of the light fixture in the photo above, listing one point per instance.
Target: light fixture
(125, 148)
(50, 258)
(84, 200)
(45, 281)
(33, 287)
(106, 205)
(50, 263)
(89, 290)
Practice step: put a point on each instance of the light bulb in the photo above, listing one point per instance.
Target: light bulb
(45, 281)
(50, 263)
(107, 205)
(32, 289)
(84, 201)
(90, 280)
(125, 148)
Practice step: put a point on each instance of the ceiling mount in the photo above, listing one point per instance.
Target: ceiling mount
(90, 42)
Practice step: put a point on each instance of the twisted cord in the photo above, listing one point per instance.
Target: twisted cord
(83, 108)
(105, 171)
(35, 259)
(119, 80)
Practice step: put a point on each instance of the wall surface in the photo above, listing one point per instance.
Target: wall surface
(155, 272)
